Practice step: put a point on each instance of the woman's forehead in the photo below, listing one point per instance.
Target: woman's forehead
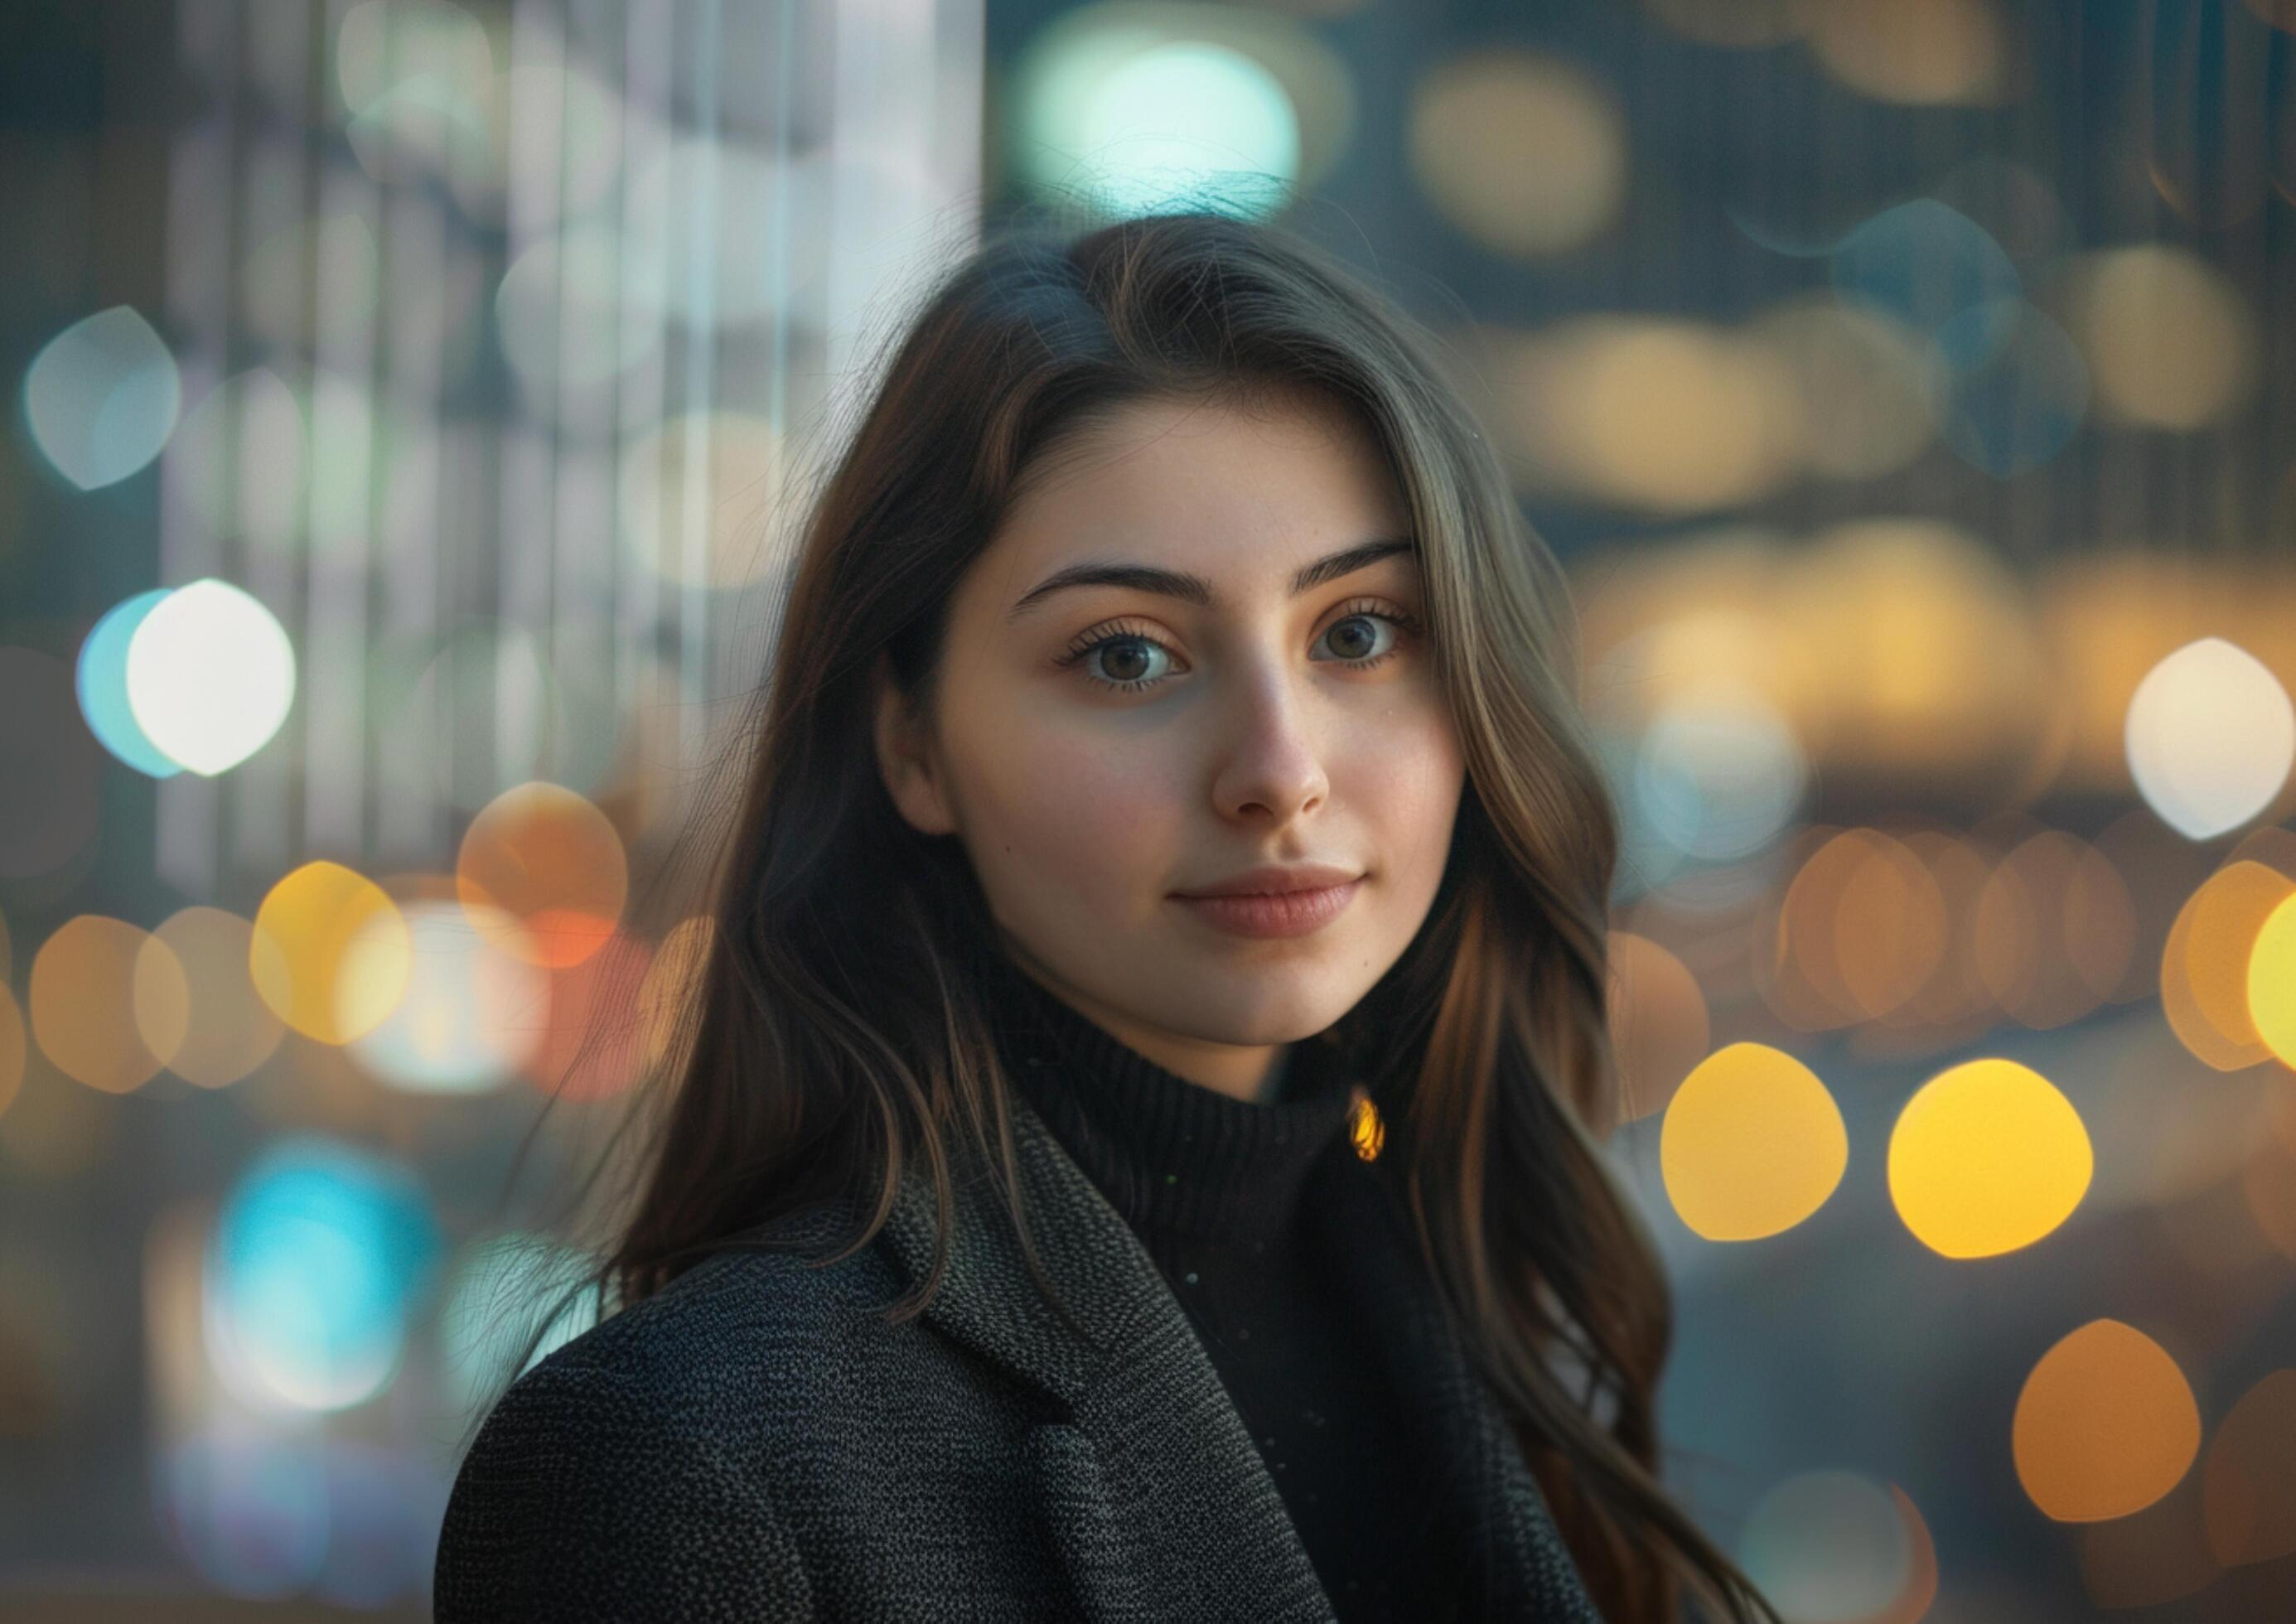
(1204, 489)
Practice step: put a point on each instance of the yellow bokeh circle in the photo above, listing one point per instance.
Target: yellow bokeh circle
(1752, 1143)
(331, 953)
(1986, 1157)
(2271, 980)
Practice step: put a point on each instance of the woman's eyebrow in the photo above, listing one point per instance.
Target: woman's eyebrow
(1196, 590)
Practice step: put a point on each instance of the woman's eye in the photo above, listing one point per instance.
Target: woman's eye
(1130, 658)
(1131, 664)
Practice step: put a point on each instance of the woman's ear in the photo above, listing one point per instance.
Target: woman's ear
(905, 757)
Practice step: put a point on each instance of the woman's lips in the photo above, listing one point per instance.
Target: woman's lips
(1288, 913)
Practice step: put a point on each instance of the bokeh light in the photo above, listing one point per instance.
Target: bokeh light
(2271, 980)
(416, 77)
(102, 674)
(1989, 1156)
(1175, 117)
(1717, 776)
(602, 1033)
(1138, 123)
(319, 1254)
(2055, 929)
(241, 463)
(247, 1511)
(1861, 929)
(228, 1031)
(210, 676)
(2110, 617)
(87, 973)
(2170, 343)
(1655, 416)
(1924, 51)
(1526, 154)
(552, 862)
(102, 398)
(1913, 641)
(2022, 402)
(474, 1010)
(331, 953)
(1658, 1020)
(1752, 1143)
(1828, 1546)
(1869, 386)
(2105, 1425)
(2249, 1478)
(1242, 107)
(672, 990)
(2205, 966)
(2212, 736)
(1937, 272)
(572, 282)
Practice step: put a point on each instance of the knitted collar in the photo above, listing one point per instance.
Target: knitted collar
(1169, 1154)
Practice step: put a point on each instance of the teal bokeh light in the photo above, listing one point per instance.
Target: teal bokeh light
(1937, 271)
(1143, 126)
(102, 398)
(103, 685)
(318, 1257)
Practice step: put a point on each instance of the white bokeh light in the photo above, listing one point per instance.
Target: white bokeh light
(473, 1013)
(210, 676)
(2212, 736)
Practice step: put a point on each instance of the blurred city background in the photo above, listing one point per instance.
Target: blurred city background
(412, 406)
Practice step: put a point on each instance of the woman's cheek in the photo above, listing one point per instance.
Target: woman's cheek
(1093, 820)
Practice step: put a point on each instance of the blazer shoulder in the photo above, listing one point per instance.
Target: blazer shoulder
(619, 1477)
(707, 1337)
(589, 1495)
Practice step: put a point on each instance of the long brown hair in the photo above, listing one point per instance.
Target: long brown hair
(836, 1035)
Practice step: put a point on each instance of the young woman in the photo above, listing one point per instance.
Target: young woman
(1048, 1221)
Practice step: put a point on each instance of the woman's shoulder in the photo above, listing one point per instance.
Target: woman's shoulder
(738, 1315)
(655, 1431)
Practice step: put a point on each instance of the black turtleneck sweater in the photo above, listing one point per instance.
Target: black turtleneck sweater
(1212, 1186)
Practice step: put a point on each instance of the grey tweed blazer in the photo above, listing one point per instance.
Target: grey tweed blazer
(754, 1442)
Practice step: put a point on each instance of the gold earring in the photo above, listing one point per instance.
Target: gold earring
(1366, 1127)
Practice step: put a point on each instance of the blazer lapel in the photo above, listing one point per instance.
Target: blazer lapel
(1160, 1503)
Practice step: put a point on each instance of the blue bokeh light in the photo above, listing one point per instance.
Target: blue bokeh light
(317, 1259)
(1938, 272)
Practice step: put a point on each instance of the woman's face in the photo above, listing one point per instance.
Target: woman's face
(1261, 725)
